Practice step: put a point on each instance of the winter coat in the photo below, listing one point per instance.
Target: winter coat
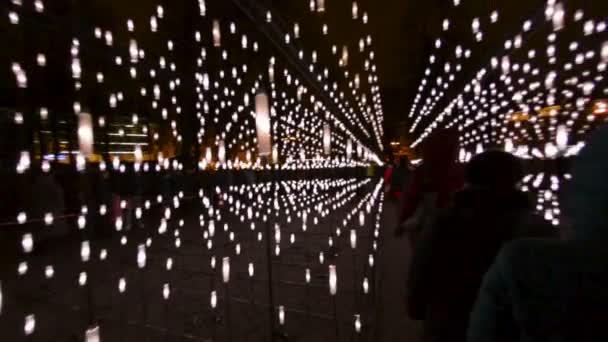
(455, 251)
(554, 291)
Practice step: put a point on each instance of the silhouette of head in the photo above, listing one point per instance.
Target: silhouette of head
(494, 169)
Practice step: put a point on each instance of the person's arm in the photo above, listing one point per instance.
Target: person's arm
(492, 317)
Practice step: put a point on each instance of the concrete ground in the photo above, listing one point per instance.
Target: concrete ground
(393, 322)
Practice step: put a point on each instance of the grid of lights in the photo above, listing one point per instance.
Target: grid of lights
(147, 85)
(229, 219)
(538, 96)
(558, 82)
(138, 96)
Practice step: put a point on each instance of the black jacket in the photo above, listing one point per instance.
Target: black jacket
(455, 252)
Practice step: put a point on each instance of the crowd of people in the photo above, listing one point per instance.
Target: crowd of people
(484, 266)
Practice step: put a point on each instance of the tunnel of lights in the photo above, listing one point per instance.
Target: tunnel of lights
(245, 128)
(245, 132)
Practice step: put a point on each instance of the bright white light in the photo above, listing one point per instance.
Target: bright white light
(27, 243)
(30, 324)
(213, 300)
(85, 251)
(85, 134)
(262, 120)
(166, 291)
(281, 315)
(226, 269)
(333, 280)
(92, 335)
(550, 150)
(562, 137)
(141, 256)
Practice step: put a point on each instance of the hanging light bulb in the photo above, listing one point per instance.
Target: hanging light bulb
(250, 270)
(326, 139)
(562, 137)
(365, 285)
(226, 269)
(92, 335)
(141, 256)
(213, 299)
(358, 323)
(333, 280)
(30, 325)
(262, 120)
(509, 145)
(85, 251)
(281, 315)
(166, 291)
(320, 6)
(217, 35)
(85, 134)
(550, 150)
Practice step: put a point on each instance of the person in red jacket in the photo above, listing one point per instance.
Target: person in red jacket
(435, 181)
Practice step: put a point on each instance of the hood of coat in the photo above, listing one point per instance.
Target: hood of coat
(585, 197)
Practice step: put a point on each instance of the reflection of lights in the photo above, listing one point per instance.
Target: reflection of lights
(600, 107)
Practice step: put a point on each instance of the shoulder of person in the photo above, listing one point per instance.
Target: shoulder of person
(525, 259)
(536, 226)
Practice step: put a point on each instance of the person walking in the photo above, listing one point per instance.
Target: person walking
(555, 290)
(399, 178)
(433, 184)
(453, 253)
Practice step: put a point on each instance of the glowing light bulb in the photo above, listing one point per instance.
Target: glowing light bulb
(226, 269)
(213, 299)
(30, 325)
(333, 280)
(141, 256)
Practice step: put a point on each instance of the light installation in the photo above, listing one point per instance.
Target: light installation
(534, 93)
(148, 118)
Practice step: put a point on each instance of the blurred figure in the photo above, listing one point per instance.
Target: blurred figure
(388, 174)
(544, 290)
(455, 252)
(400, 178)
(433, 184)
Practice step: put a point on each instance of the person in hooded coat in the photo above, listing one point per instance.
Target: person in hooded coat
(554, 291)
(455, 252)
